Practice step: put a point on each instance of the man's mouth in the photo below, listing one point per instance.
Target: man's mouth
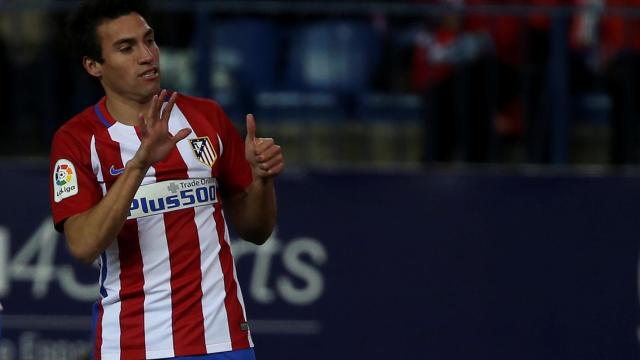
(150, 74)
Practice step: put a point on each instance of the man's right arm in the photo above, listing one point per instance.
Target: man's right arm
(90, 232)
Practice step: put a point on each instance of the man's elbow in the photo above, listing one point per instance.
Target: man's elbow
(256, 231)
(257, 237)
(83, 245)
(82, 253)
(79, 248)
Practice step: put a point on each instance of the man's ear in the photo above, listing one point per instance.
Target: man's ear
(93, 67)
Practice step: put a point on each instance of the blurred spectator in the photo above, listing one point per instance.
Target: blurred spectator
(487, 80)
(450, 68)
(620, 56)
(5, 72)
(606, 46)
(485, 75)
(505, 69)
(536, 88)
(25, 34)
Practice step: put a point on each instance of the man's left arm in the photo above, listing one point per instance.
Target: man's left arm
(253, 211)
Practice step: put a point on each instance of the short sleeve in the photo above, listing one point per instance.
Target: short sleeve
(72, 182)
(235, 171)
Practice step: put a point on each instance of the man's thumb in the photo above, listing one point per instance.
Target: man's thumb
(251, 128)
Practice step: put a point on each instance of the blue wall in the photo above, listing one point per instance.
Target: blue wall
(435, 265)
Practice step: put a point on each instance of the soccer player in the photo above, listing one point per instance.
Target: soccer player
(144, 181)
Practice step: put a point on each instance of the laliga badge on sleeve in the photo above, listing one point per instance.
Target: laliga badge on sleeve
(65, 180)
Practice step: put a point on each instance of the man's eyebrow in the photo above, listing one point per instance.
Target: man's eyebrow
(130, 41)
(123, 41)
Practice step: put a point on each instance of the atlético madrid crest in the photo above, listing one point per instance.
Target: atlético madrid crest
(203, 150)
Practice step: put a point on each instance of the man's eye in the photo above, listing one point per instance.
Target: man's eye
(151, 41)
(125, 49)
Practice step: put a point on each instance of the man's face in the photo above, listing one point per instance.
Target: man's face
(131, 58)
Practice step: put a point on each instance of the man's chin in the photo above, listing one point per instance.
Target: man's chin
(148, 95)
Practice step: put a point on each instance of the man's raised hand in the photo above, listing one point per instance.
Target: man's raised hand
(264, 156)
(156, 141)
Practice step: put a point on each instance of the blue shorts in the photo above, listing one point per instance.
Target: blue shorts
(244, 354)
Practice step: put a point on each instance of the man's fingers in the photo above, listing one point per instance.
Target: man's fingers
(143, 121)
(277, 169)
(274, 170)
(181, 135)
(251, 128)
(265, 156)
(262, 144)
(151, 116)
(268, 153)
(166, 113)
(156, 105)
(272, 162)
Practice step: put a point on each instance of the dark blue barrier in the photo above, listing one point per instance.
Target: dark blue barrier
(380, 266)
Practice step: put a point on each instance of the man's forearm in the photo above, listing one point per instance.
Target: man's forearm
(254, 214)
(91, 232)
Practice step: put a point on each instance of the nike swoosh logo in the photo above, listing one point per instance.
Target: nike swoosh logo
(115, 172)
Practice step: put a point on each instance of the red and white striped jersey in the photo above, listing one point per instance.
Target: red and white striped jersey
(168, 283)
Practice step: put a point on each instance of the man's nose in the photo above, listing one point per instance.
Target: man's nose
(146, 55)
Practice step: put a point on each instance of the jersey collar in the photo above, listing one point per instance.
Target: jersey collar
(103, 114)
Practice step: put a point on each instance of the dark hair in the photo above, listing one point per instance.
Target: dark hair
(82, 24)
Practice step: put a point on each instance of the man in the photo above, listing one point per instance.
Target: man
(139, 182)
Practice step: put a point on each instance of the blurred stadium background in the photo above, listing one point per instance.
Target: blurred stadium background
(462, 175)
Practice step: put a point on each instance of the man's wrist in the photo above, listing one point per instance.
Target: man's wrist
(262, 181)
(135, 164)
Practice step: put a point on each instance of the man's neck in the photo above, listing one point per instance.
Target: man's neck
(126, 111)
